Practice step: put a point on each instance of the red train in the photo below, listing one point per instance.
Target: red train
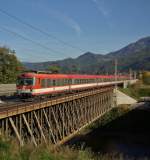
(33, 84)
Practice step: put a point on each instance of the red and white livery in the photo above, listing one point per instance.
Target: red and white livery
(32, 84)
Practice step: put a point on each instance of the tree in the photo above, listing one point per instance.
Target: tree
(146, 77)
(75, 69)
(10, 66)
(54, 69)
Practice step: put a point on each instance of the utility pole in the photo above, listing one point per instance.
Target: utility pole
(115, 90)
(130, 73)
(116, 69)
(134, 74)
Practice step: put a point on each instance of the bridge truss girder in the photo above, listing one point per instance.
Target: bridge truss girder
(59, 122)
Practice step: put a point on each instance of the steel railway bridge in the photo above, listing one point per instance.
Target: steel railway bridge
(56, 120)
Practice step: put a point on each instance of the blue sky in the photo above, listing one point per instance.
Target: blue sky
(99, 26)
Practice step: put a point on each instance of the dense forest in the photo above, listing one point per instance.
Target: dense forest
(10, 66)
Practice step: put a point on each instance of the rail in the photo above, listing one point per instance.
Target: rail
(27, 107)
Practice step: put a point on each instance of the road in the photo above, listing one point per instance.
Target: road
(7, 89)
(124, 99)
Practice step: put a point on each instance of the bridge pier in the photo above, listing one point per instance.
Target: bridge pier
(57, 120)
(125, 84)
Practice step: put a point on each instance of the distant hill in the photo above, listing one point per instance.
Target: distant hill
(135, 56)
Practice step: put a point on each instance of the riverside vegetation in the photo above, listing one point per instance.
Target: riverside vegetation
(137, 90)
(10, 66)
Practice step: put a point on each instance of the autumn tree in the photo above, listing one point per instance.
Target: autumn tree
(10, 66)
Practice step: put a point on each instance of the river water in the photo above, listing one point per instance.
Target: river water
(128, 135)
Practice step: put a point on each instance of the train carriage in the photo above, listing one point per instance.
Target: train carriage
(33, 84)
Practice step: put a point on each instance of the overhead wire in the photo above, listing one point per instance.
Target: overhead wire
(40, 30)
(28, 39)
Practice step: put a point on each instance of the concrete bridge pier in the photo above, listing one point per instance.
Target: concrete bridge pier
(125, 84)
(129, 82)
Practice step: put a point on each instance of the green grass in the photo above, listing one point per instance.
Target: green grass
(137, 90)
(130, 92)
(9, 150)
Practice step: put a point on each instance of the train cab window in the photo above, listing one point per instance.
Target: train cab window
(25, 81)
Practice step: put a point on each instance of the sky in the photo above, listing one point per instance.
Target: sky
(46, 30)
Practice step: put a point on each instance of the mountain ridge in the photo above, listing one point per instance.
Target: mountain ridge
(135, 55)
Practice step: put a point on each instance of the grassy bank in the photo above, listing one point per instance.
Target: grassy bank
(137, 90)
(9, 150)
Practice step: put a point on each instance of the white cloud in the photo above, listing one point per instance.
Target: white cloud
(100, 6)
(60, 16)
(70, 22)
(104, 11)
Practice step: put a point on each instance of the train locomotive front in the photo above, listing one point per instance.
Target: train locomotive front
(26, 83)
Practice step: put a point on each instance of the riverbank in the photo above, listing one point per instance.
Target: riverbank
(137, 90)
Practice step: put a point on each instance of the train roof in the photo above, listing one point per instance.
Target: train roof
(66, 76)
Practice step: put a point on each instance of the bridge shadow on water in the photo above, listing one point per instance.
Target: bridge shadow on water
(128, 135)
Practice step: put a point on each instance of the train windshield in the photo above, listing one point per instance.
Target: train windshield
(25, 81)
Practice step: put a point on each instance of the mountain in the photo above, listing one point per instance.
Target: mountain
(135, 56)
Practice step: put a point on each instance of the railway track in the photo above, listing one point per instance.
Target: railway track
(6, 107)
